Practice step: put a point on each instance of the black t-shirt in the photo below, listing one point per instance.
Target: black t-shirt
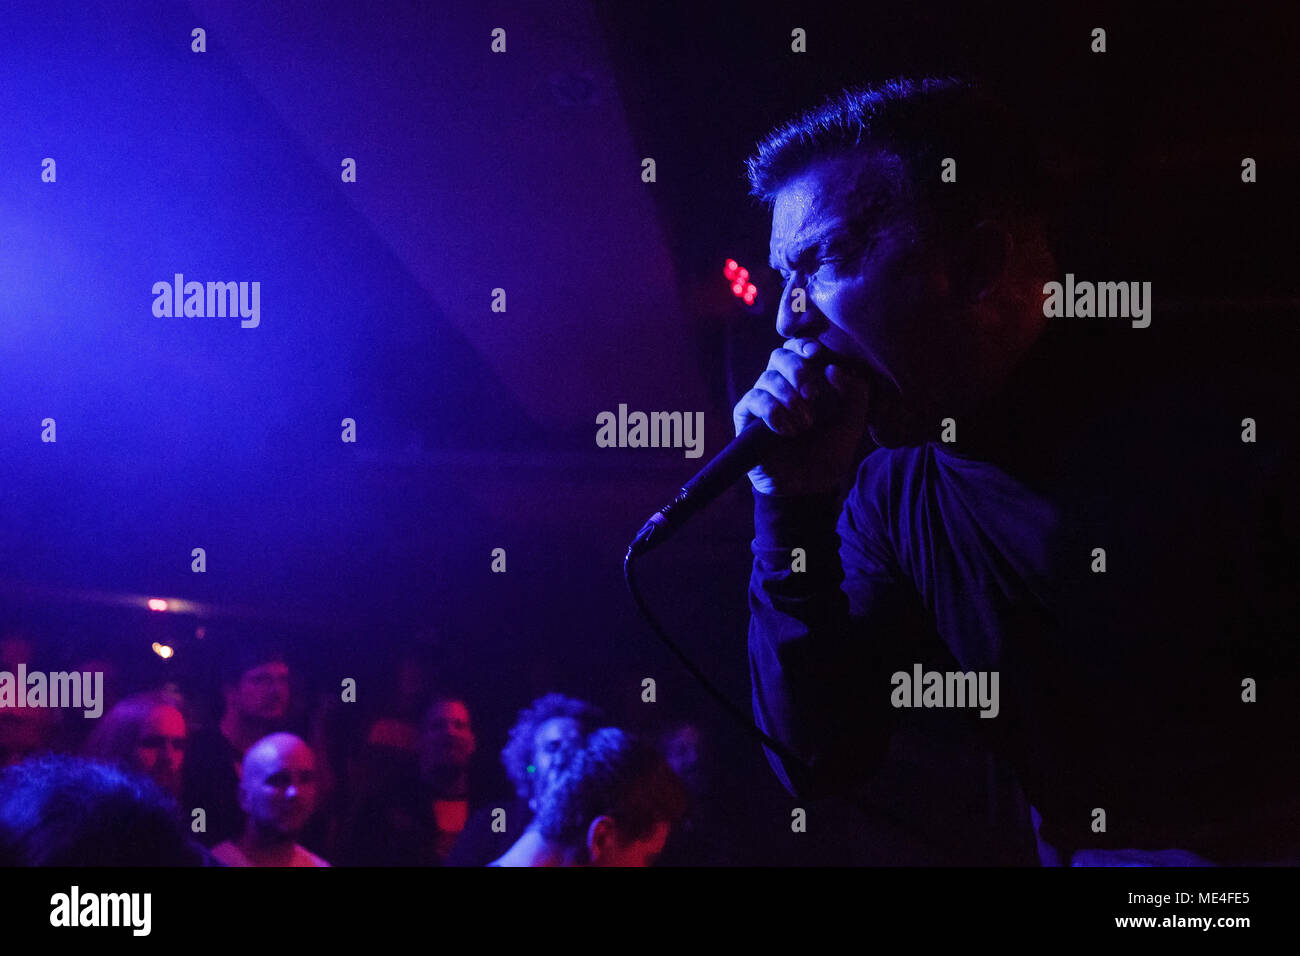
(210, 780)
(1101, 537)
(479, 843)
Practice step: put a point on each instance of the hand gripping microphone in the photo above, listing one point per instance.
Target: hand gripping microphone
(744, 452)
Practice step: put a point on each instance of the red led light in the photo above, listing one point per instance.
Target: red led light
(741, 287)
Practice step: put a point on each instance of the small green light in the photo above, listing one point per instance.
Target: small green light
(532, 769)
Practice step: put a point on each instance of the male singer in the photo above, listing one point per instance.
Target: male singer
(1059, 500)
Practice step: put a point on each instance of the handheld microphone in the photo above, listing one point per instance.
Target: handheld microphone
(742, 453)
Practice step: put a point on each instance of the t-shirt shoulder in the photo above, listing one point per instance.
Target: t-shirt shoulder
(881, 479)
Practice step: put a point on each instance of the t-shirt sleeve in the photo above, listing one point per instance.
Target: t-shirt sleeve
(828, 606)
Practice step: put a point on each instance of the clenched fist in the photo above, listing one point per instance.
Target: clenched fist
(821, 405)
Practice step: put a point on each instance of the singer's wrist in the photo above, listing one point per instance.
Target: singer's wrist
(785, 519)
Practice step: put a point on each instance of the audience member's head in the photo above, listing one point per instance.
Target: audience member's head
(68, 811)
(24, 732)
(145, 734)
(410, 684)
(611, 802)
(542, 729)
(112, 677)
(447, 741)
(685, 748)
(278, 787)
(255, 686)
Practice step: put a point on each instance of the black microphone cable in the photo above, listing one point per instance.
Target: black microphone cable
(742, 717)
(792, 763)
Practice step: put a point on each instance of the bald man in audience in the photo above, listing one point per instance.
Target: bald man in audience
(277, 792)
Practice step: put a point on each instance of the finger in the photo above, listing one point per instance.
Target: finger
(853, 389)
(760, 403)
(808, 377)
(785, 393)
(742, 414)
(808, 348)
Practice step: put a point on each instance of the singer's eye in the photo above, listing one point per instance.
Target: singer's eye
(825, 268)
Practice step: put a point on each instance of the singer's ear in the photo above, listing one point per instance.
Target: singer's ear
(980, 261)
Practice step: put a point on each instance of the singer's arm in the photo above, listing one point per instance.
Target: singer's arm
(822, 642)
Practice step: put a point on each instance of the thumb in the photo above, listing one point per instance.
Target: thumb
(853, 389)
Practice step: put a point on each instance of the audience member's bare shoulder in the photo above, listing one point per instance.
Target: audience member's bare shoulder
(304, 857)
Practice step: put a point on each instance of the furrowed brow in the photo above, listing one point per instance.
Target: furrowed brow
(827, 240)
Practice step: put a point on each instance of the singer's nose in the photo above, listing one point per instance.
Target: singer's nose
(791, 322)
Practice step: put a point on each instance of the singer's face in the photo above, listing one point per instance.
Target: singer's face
(874, 292)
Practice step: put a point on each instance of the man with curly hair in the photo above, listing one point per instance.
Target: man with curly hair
(610, 802)
(542, 729)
